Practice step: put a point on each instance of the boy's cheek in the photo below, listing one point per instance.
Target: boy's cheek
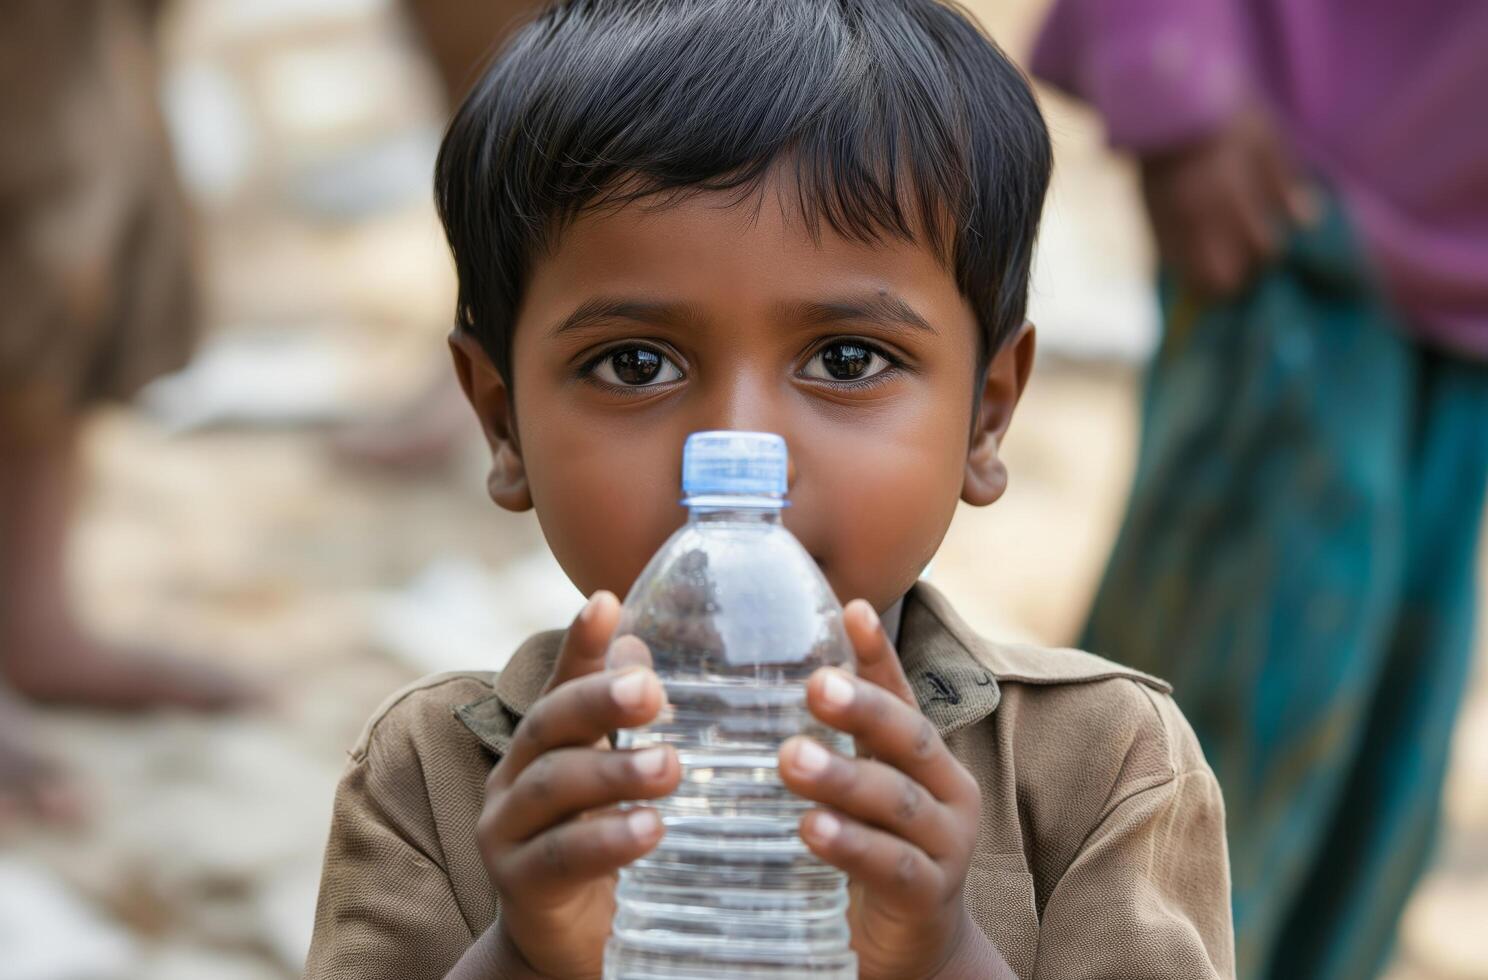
(872, 498)
(604, 518)
(875, 521)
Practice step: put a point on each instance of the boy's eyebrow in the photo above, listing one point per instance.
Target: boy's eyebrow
(601, 308)
(882, 307)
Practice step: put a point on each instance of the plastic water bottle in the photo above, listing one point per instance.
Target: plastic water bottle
(735, 616)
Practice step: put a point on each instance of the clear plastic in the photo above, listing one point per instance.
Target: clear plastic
(735, 616)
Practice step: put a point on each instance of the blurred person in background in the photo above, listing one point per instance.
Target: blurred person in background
(1298, 554)
(99, 298)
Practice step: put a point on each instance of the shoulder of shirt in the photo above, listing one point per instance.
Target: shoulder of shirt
(1062, 694)
(429, 700)
(1027, 663)
(1131, 704)
(1120, 704)
(1127, 712)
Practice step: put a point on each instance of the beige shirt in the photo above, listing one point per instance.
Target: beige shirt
(1100, 853)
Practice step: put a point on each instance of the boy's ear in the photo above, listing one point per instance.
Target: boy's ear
(488, 394)
(1007, 376)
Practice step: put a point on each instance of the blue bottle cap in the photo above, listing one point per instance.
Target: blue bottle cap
(734, 464)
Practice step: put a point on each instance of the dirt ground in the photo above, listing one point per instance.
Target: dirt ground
(231, 532)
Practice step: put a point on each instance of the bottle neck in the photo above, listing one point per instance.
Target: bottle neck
(734, 509)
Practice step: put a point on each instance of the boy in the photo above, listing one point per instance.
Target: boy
(814, 219)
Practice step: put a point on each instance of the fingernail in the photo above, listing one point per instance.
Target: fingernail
(649, 762)
(629, 689)
(837, 690)
(643, 824)
(1307, 207)
(811, 758)
(587, 613)
(825, 826)
(628, 651)
(872, 614)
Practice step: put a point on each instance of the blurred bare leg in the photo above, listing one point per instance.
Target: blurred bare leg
(426, 431)
(45, 654)
(461, 35)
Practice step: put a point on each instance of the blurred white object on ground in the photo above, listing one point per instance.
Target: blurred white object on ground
(48, 933)
(457, 614)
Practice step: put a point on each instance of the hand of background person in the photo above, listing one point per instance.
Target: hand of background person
(900, 819)
(550, 834)
(1221, 207)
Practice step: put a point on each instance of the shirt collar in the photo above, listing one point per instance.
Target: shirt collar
(948, 666)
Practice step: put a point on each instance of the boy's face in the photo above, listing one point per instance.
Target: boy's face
(643, 325)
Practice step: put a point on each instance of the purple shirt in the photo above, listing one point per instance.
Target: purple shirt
(1387, 99)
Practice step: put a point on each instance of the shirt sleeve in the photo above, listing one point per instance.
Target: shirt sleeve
(387, 910)
(1148, 894)
(1160, 72)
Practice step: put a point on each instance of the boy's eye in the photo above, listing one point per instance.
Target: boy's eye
(635, 367)
(846, 360)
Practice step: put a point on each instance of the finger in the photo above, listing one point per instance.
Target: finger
(1214, 264)
(1254, 214)
(1171, 229)
(873, 858)
(1192, 239)
(583, 650)
(889, 730)
(579, 849)
(871, 792)
(878, 662)
(580, 713)
(1281, 175)
(628, 651)
(564, 783)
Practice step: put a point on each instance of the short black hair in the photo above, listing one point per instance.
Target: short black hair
(898, 118)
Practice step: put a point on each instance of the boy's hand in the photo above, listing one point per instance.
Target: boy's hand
(902, 820)
(550, 835)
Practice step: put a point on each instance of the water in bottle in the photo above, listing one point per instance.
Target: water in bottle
(735, 616)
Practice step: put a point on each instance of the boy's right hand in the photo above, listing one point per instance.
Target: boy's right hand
(550, 834)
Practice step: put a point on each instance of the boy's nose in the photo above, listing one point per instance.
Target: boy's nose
(753, 404)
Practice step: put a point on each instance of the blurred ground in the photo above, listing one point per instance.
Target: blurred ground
(307, 130)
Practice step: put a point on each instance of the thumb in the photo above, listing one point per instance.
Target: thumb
(587, 639)
(1283, 180)
(877, 661)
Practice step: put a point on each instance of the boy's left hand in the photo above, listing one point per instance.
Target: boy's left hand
(902, 820)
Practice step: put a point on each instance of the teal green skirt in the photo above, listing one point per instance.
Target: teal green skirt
(1298, 559)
